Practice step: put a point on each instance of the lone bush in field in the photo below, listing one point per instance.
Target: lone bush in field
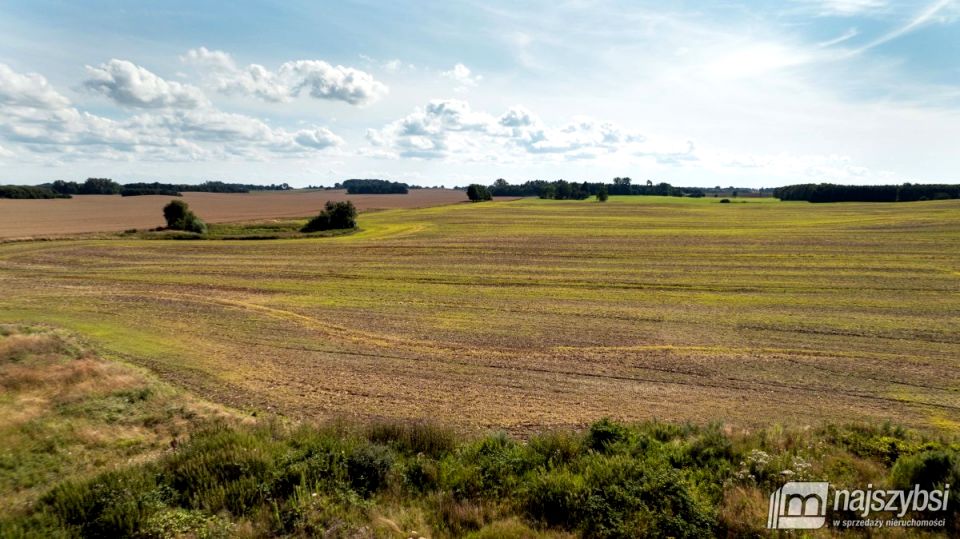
(478, 193)
(336, 215)
(602, 194)
(179, 217)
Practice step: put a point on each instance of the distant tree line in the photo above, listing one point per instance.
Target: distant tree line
(171, 189)
(28, 191)
(564, 190)
(62, 189)
(140, 189)
(374, 187)
(106, 186)
(828, 192)
(93, 186)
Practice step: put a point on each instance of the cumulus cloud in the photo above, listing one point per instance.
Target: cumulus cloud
(316, 78)
(319, 138)
(28, 90)
(582, 134)
(432, 131)
(518, 117)
(450, 127)
(47, 125)
(134, 86)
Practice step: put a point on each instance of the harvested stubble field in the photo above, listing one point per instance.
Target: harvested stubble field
(106, 213)
(531, 314)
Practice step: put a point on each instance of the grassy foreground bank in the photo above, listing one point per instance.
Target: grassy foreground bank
(226, 477)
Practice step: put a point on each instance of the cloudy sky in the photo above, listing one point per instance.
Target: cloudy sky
(712, 93)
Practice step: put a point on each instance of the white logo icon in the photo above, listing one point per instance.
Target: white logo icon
(798, 505)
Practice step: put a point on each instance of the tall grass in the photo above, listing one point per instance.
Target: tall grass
(613, 480)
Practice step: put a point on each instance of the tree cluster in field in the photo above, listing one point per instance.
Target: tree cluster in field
(335, 216)
(564, 190)
(828, 192)
(374, 187)
(478, 193)
(180, 217)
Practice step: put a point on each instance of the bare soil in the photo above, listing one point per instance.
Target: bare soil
(104, 213)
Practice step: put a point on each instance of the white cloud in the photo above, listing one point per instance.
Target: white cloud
(131, 85)
(208, 58)
(51, 127)
(319, 138)
(28, 90)
(324, 81)
(450, 128)
(518, 117)
(315, 77)
(462, 75)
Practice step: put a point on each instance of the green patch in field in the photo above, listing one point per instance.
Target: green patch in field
(273, 229)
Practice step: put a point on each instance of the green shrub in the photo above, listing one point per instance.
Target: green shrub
(336, 215)
(555, 448)
(606, 433)
(556, 498)
(115, 503)
(478, 193)
(885, 443)
(223, 469)
(629, 498)
(708, 450)
(422, 474)
(928, 469)
(486, 469)
(414, 437)
(179, 217)
(368, 467)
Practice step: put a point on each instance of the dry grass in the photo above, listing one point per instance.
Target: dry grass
(534, 314)
(101, 213)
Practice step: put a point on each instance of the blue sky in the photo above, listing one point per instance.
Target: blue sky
(718, 93)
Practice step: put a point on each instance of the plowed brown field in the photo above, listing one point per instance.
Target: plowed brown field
(101, 213)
